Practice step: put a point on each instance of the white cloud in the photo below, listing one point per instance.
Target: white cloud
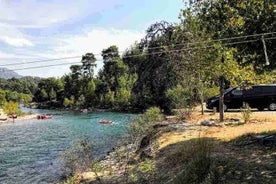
(96, 39)
(40, 14)
(13, 37)
(89, 40)
(36, 14)
(18, 42)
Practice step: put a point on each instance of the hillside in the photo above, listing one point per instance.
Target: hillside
(8, 74)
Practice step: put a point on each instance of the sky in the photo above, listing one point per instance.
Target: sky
(35, 30)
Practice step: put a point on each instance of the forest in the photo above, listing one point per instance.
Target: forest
(175, 65)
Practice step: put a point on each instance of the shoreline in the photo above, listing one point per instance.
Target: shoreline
(187, 131)
(20, 118)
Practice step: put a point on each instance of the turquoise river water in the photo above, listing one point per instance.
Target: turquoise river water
(30, 150)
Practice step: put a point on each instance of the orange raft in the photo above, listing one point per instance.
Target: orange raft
(104, 121)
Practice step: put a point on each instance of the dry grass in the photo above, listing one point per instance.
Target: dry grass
(260, 122)
(231, 163)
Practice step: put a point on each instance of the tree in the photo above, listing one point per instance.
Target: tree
(226, 18)
(52, 94)
(88, 64)
(11, 108)
(2, 98)
(66, 102)
(43, 95)
(113, 67)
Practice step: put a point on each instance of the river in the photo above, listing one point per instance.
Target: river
(30, 150)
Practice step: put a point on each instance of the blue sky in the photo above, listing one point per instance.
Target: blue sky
(44, 29)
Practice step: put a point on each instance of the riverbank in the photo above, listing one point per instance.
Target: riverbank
(24, 117)
(19, 118)
(234, 163)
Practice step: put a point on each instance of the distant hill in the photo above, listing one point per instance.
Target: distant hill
(8, 74)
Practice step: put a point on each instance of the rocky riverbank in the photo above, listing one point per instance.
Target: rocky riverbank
(162, 160)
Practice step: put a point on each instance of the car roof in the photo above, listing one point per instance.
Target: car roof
(267, 85)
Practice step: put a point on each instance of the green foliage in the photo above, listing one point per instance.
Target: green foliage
(52, 94)
(12, 108)
(25, 98)
(2, 98)
(88, 64)
(197, 162)
(43, 95)
(109, 99)
(152, 115)
(66, 102)
(178, 97)
(78, 158)
(81, 101)
(123, 97)
(143, 124)
(143, 172)
(142, 79)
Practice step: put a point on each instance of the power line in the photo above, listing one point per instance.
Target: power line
(217, 40)
(149, 48)
(144, 54)
(188, 49)
(40, 61)
(45, 66)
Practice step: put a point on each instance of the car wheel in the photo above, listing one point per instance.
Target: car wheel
(272, 106)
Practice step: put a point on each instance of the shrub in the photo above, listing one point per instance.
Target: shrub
(184, 114)
(143, 124)
(197, 161)
(246, 113)
(12, 108)
(178, 97)
(78, 158)
(142, 172)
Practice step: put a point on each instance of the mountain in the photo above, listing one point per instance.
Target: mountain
(7, 74)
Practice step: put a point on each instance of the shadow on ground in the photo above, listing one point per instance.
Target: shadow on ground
(229, 162)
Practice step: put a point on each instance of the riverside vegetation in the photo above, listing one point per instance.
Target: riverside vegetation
(175, 66)
(196, 156)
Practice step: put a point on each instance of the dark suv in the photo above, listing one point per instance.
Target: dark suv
(257, 96)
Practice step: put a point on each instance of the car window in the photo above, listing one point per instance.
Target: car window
(237, 92)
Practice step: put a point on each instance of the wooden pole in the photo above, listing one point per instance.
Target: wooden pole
(221, 97)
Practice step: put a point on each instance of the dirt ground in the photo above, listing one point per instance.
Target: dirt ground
(254, 163)
(260, 121)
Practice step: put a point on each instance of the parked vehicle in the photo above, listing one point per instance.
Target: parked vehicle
(256, 96)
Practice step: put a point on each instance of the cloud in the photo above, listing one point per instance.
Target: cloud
(41, 14)
(36, 14)
(88, 40)
(18, 42)
(13, 37)
(96, 39)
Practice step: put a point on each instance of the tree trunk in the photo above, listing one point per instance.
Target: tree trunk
(202, 106)
(221, 96)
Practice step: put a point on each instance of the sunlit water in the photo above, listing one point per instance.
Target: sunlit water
(30, 150)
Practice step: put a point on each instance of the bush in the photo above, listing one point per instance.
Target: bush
(12, 108)
(184, 114)
(143, 124)
(78, 158)
(143, 172)
(246, 113)
(197, 161)
(178, 97)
